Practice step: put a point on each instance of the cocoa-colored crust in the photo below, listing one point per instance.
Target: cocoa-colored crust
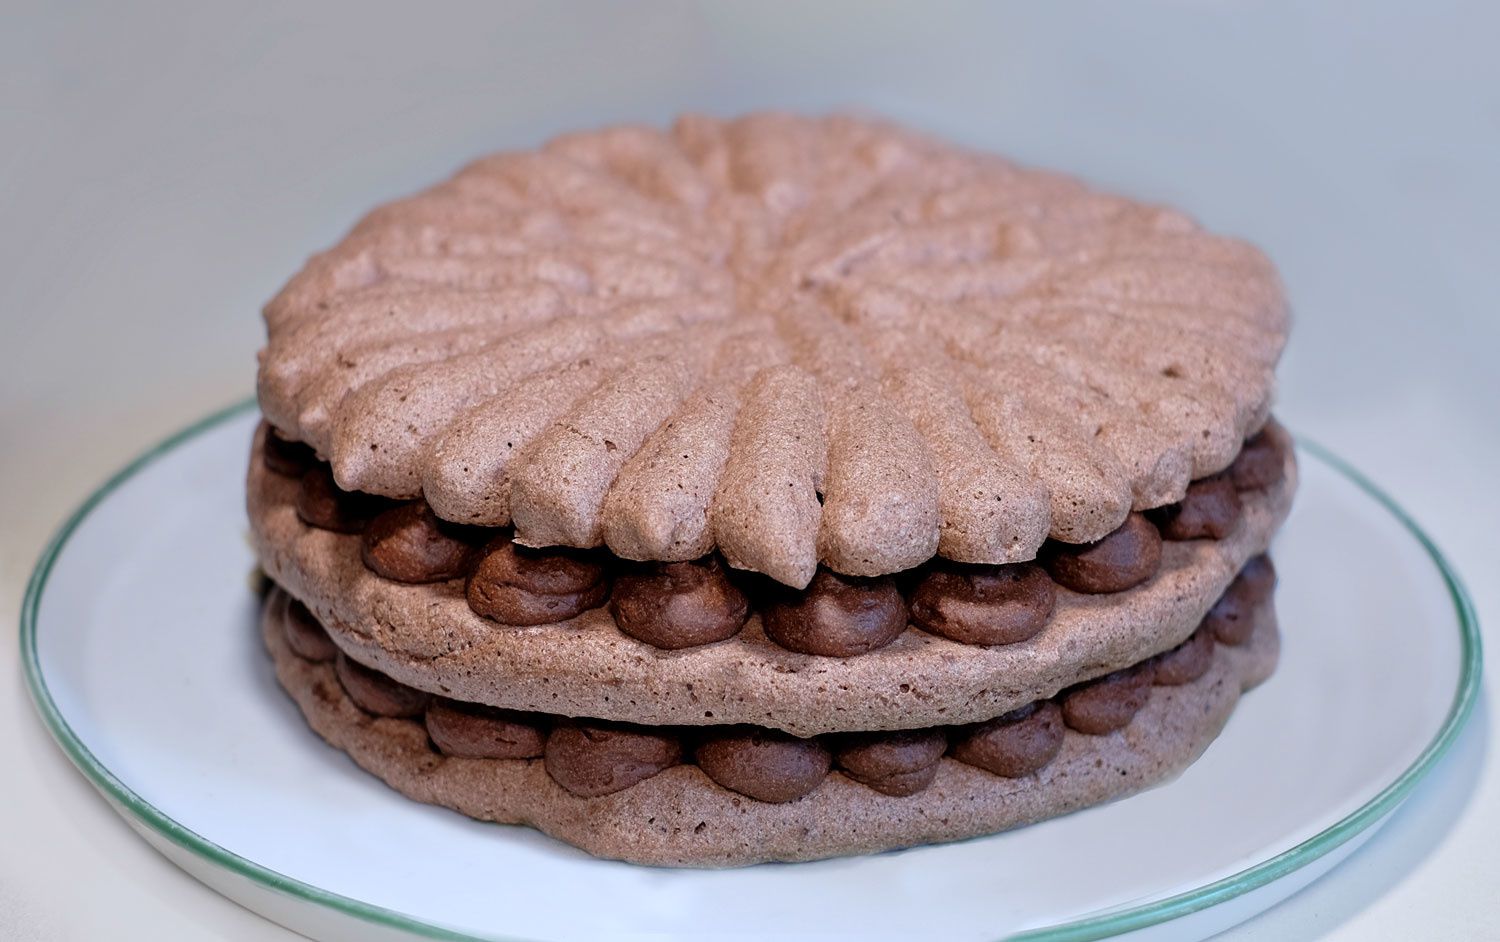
(799, 341)
(681, 817)
(427, 637)
(984, 605)
(1122, 560)
(835, 616)
(678, 605)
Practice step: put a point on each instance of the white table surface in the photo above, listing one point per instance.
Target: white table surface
(165, 166)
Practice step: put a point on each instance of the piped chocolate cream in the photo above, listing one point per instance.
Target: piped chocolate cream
(901, 763)
(305, 636)
(1187, 662)
(1260, 463)
(1231, 619)
(1122, 560)
(1107, 704)
(476, 731)
(516, 585)
(323, 504)
(984, 604)
(835, 616)
(1015, 744)
(678, 605)
(1209, 510)
(592, 758)
(377, 694)
(686, 604)
(764, 764)
(409, 543)
(287, 456)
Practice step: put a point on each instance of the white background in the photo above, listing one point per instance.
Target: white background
(164, 167)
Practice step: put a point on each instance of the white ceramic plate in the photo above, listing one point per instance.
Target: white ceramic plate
(139, 639)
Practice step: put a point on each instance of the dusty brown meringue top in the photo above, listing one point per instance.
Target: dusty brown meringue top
(793, 340)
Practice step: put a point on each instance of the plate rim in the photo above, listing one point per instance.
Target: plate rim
(1097, 926)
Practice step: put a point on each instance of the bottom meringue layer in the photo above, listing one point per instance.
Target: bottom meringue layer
(678, 815)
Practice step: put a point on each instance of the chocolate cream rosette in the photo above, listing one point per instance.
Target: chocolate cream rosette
(770, 489)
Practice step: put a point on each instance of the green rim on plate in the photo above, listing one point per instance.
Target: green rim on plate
(1093, 927)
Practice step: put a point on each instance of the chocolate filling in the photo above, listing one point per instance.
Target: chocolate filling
(901, 763)
(984, 604)
(1257, 579)
(1016, 744)
(1122, 560)
(515, 585)
(1187, 662)
(678, 605)
(591, 758)
(376, 693)
(764, 764)
(686, 604)
(410, 544)
(1231, 620)
(305, 636)
(476, 731)
(836, 616)
(1109, 703)
(1260, 464)
(322, 504)
(1209, 510)
(285, 456)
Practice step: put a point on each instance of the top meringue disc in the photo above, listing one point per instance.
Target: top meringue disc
(791, 340)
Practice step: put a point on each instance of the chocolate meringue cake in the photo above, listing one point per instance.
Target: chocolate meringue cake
(770, 489)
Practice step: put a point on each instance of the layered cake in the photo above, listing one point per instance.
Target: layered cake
(770, 489)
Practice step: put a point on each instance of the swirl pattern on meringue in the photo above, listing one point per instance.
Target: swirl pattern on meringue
(800, 342)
